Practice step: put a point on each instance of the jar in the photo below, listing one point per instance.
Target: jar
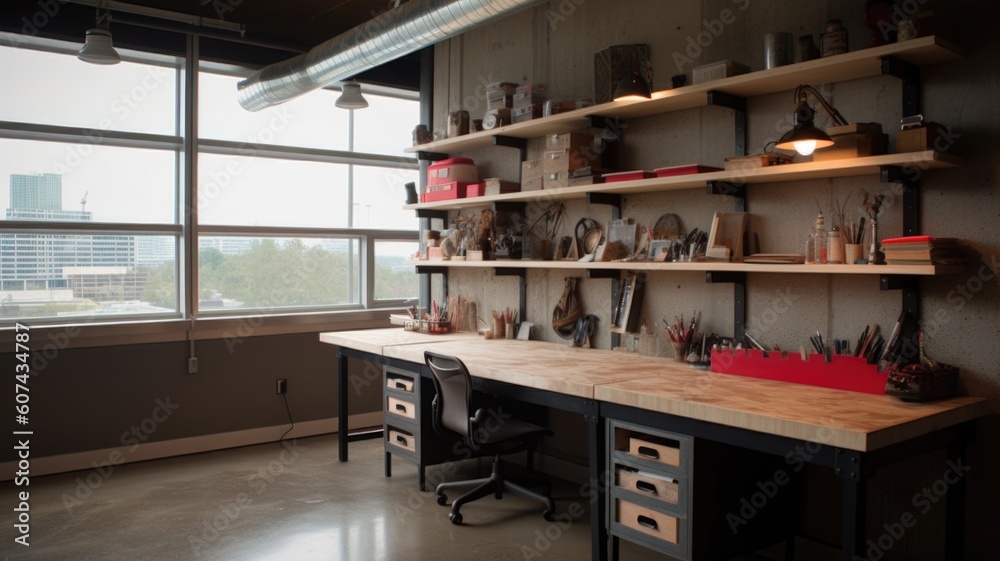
(834, 246)
(835, 38)
(807, 49)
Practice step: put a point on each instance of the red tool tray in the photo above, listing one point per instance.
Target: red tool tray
(628, 176)
(842, 373)
(445, 192)
(684, 170)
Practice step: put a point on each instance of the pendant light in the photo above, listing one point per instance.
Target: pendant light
(97, 46)
(351, 97)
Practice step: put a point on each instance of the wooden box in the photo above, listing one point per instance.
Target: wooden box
(648, 521)
(931, 136)
(569, 141)
(853, 141)
(402, 439)
(495, 186)
(401, 408)
(556, 161)
(755, 161)
(654, 486)
(725, 242)
(658, 450)
(532, 172)
(717, 71)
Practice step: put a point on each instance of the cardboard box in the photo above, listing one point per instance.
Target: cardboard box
(853, 141)
(568, 160)
(717, 71)
(527, 113)
(530, 94)
(494, 186)
(931, 136)
(531, 175)
(499, 100)
(568, 141)
(565, 179)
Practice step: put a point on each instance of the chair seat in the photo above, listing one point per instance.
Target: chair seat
(510, 430)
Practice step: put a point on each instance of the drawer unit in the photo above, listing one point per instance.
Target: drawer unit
(401, 407)
(669, 495)
(408, 424)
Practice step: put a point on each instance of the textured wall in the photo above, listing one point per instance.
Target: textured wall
(554, 44)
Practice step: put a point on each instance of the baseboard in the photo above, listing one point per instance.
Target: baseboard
(49, 465)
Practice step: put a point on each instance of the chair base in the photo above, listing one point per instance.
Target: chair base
(496, 484)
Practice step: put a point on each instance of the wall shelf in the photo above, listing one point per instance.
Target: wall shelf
(865, 63)
(909, 270)
(871, 165)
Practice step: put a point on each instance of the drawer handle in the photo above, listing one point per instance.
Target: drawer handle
(649, 452)
(646, 522)
(646, 487)
(400, 386)
(400, 407)
(401, 440)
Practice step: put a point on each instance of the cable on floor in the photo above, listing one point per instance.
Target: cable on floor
(290, 420)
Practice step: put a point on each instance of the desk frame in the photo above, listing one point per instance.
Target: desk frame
(854, 468)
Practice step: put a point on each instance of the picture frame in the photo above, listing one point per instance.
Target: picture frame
(659, 250)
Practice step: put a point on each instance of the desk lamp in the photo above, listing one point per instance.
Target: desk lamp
(635, 87)
(804, 138)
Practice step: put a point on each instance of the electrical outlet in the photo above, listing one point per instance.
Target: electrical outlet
(282, 386)
(192, 365)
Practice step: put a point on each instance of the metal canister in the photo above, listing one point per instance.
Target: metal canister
(777, 50)
(835, 38)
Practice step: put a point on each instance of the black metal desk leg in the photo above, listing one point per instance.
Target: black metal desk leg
(597, 498)
(342, 385)
(954, 544)
(854, 518)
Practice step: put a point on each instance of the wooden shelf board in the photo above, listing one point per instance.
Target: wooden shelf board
(774, 174)
(849, 66)
(918, 270)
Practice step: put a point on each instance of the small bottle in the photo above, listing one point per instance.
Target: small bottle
(835, 247)
(820, 239)
(811, 247)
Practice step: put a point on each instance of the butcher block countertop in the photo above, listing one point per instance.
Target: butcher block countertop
(851, 420)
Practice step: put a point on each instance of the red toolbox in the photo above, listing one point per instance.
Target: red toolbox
(445, 191)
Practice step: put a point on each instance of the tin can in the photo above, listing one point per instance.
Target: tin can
(835, 38)
(777, 50)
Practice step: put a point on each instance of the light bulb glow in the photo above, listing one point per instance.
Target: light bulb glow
(805, 147)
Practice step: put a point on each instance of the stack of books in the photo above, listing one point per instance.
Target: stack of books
(923, 250)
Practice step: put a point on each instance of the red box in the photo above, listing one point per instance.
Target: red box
(628, 176)
(445, 191)
(844, 372)
(452, 170)
(475, 190)
(684, 170)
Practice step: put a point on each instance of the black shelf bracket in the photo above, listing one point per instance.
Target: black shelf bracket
(736, 190)
(431, 156)
(898, 282)
(910, 75)
(521, 144)
(739, 281)
(504, 206)
(428, 213)
(610, 199)
(603, 274)
(739, 106)
(521, 273)
(613, 127)
(908, 178)
(432, 270)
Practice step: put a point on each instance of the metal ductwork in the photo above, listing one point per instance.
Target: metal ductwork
(396, 33)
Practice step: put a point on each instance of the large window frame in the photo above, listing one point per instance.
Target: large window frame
(188, 322)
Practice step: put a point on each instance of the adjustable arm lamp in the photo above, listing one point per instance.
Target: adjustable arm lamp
(804, 138)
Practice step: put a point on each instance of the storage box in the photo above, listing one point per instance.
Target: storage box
(569, 141)
(530, 94)
(475, 190)
(853, 141)
(648, 521)
(452, 170)
(757, 161)
(526, 113)
(843, 372)
(566, 179)
(931, 136)
(445, 192)
(499, 100)
(508, 88)
(717, 71)
(654, 486)
(627, 176)
(495, 186)
(568, 160)
(614, 64)
(659, 450)
(684, 170)
(531, 175)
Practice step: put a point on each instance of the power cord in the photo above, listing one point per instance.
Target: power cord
(290, 420)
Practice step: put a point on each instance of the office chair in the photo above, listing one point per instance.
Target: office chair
(483, 432)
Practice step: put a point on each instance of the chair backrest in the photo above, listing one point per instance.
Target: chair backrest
(453, 384)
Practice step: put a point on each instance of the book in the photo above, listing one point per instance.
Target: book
(775, 258)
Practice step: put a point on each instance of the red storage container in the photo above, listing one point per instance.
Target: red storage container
(684, 170)
(452, 170)
(445, 191)
(628, 176)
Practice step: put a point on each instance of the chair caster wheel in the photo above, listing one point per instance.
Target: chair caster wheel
(442, 500)
(549, 515)
(455, 518)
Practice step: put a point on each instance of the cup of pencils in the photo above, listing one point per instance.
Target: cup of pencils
(681, 336)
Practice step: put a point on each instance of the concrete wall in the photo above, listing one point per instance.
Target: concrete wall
(554, 44)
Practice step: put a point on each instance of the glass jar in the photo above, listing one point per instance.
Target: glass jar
(835, 38)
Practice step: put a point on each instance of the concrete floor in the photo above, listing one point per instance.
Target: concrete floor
(278, 502)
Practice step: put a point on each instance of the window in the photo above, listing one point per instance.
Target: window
(298, 206)
(79, 242)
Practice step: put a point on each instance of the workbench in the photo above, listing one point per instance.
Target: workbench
(853, 434)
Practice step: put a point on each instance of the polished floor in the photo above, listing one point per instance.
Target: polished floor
(278, 502)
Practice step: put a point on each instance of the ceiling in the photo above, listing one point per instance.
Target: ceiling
(275, 30)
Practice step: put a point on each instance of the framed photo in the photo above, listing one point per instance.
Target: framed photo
(659, 250)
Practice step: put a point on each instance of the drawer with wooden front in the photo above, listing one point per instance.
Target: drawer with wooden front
(400, 440)
(649, 521)
(651, 450)
(401, 407)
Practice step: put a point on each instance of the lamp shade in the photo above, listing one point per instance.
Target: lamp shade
(98, 49)
(351, 97)
(804, 137)
(633, 88)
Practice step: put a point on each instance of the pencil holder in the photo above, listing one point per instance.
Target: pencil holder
(499, 328)
(680, 351)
